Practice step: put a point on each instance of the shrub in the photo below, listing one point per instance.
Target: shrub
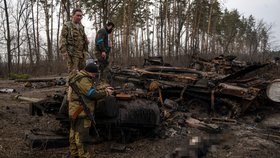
(14, 76)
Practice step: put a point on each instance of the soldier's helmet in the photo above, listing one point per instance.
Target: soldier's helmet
(91, 67)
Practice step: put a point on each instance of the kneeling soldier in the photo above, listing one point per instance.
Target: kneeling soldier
(83, 94)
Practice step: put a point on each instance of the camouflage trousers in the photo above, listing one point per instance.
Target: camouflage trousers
(75, 63)
(79, 138)
(103, 67)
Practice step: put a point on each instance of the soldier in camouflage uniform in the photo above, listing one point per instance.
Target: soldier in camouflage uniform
(74, 42)
(102, 48)
(79, 138)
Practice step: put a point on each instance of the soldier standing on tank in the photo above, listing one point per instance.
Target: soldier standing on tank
(74, 42)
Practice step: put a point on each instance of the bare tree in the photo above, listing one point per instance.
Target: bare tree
(58, 30)
(46, 7)
(19, 27)
(28, 36)
(38, 54)
(8, 36)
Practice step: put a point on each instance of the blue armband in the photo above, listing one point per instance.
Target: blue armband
(100, 41)
(90, 91)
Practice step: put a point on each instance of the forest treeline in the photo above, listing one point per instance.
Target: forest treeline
(178, 30)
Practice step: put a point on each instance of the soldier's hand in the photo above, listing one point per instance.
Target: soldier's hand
(65, 56)
(87, 41)
(103, 55)
(109, 91)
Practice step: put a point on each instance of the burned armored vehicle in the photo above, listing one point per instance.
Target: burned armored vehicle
(121, 117)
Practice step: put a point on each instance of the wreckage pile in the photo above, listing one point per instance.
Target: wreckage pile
(212, 91)
(166, 99)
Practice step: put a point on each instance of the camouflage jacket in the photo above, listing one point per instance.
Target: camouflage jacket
(101, 41)
(73, 40)
(87, 88)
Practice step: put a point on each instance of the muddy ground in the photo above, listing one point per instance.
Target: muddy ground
(247, 138)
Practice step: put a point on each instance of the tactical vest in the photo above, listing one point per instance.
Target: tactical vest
(76, 39)
(74, 102)
(75, 77)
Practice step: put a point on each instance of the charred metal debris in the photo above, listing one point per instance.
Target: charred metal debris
(161, 100)
(219, 86)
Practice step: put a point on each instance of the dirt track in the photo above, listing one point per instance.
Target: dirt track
(247, 138)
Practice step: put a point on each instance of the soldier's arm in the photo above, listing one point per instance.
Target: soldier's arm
(89, 91)
(63, 40)
(86, 43)
(86, 40)
(100, 41)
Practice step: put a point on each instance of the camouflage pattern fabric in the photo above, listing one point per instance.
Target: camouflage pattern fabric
(102, 41)
(86, 87)
(73, 41)
(74, 64)
(79, 138)
(103, 67)
(102, 45)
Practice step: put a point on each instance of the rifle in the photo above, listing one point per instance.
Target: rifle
(85, 108)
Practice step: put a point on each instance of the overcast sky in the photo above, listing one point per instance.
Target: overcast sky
(268, 10)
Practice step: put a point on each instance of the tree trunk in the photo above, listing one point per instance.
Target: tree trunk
(125, 36)
(169, 38)
(51, 41)
(209, 26)
(148, 34)
(29, 43)
(47, 24)
(34, 32)
(142, 43)
(161, 28)
(67, 7)
(136, 43)
(174, 29)
(8, 38)
(165, 27)
(180, 27)
(58, 32)
(153, 36)
(187, 29)
(38, 37)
